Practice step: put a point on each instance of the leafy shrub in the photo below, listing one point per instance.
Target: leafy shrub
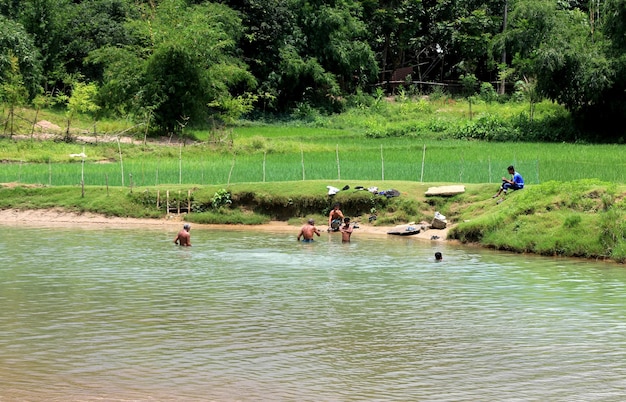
(487, 92)
(305, 112)
(438, 126)
(488, 128)
(221, 198)
(469, 82)
(553, 128)
(392, 131)
(437, 93)
(145, 198)
(360, 100)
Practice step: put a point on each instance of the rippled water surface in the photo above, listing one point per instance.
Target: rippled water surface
(122, 315)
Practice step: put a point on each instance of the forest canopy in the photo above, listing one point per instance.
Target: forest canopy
(180, 62)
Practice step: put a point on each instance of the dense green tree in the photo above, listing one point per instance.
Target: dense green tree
(608, 113)
(269, 27)
(94, 24)
(12, 90)
(306, 51)
(530, 23)
(555, 47)
(121, 87)
(47, 22)
(330, 49)
(184, 58)
(174, 87)
(395, 31)
(16, 45)
(81, 101)
(571, 68)
(183, 61)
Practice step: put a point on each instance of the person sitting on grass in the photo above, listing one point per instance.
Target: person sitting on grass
(334, 218)
(515, 183)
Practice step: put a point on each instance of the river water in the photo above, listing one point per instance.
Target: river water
(124, 315)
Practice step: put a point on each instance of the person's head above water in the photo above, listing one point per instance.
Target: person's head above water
(438, 256)
(186, 226)
(311, 222)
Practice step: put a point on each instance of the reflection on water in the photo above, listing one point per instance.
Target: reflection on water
(123, 315)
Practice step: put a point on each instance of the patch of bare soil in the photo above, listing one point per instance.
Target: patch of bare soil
(47, 131)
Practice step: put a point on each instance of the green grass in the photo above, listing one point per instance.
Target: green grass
(584, 218)
(321, 158)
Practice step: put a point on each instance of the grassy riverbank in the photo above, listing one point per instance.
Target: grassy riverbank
(585, 218)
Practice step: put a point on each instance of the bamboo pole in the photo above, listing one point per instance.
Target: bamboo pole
(302, 162)
(82, 174)
(537, 169)
(188, 201)
(338, 166)
(180, 164)
(178, 203)
(157, 171)
(264, 156)
(423, 159)
(167, 202)
(158, 200)
(232, 166)
(121, 162)
(382, 162)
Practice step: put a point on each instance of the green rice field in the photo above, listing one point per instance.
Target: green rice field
(276, 154)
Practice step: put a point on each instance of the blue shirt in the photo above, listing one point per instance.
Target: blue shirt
(517, 179)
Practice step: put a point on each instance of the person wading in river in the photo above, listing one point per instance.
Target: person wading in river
(307, 231)
(184, 238)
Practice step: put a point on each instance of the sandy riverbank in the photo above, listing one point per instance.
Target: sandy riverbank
(60, 218)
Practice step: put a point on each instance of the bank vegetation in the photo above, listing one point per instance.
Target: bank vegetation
(581, 218)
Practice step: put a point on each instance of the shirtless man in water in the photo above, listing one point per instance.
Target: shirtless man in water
(184, 238)
(346, 231)
(307, 231)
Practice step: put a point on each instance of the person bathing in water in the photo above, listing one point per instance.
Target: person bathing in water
(307, 231)
(334, 218)
(346, 231)
(184, 238)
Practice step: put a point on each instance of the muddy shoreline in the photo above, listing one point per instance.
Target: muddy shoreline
(61, 218)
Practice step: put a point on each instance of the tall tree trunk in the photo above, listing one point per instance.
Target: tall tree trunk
(504, 18)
